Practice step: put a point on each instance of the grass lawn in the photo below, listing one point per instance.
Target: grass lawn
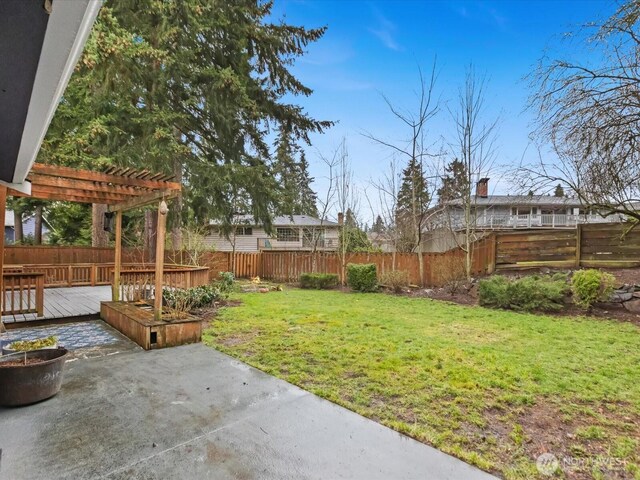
(494, 388)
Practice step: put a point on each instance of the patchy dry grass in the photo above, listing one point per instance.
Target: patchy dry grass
(493, 388)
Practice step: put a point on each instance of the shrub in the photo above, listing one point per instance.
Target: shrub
(395, 280)
(529, 294)
(362, 277)
(591, 286)
(492, 292)
(225, 284)
(318, 281)
(184, 300)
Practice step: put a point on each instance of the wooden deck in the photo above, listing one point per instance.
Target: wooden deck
(65, 303)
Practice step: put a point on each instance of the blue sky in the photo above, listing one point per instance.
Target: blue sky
(375, 47)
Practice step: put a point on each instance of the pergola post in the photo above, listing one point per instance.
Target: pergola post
(118, 258)
(160, 238)
(3, 209)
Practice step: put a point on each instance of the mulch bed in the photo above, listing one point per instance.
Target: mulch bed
(467, 294)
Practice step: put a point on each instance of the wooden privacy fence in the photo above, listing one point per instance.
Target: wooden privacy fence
(438, 268)
(46, 255)
(589, 245)
(242, 264)
(22, 293)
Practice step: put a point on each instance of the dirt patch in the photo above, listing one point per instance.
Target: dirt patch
(209, 313)
(579, 441)
(238, 339)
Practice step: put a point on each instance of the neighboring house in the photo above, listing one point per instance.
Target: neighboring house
(28, 228)
(381, 241)
(520, 211)
(298, 232)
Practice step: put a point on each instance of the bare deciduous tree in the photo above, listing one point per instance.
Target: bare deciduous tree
(326, 203)
(346, 201)
(474, 146)
(589, 112)
(415, 150)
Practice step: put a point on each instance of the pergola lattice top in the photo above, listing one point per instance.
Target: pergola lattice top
(120, 188)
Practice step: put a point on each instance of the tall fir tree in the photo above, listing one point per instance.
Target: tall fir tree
(378, 225)
(455, 182)
(413, 202)
(559, 191)
(189, 88)
(291, 169)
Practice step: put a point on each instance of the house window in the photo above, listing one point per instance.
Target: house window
(245, 231)
(521, 210)
(287, 235)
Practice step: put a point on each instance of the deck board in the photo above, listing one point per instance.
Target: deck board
(67, 302)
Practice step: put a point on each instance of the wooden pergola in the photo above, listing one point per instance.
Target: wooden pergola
(119, 188)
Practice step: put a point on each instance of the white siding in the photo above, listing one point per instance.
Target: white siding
(252, 243)
(244, 243)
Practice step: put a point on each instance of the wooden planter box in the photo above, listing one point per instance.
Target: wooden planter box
(137, 323)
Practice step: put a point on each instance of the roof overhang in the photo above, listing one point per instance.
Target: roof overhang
(40, 44)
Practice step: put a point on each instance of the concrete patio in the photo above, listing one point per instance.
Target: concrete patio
(193, 413)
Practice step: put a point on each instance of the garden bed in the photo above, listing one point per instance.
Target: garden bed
(136, 322)
(467, 294)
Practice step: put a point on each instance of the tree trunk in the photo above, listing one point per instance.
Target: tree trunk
(421, 264)
(176, 230)
(150, 234)
(18, 232)
(99, 237)
(38, 226)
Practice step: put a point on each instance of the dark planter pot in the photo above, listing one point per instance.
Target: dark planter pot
(26, 384)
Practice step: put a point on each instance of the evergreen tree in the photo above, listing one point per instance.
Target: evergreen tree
(308, 199)
(188, 88)
(454, 183)
(378, 226)
(559, 191)
(353, 236)
(295, 195)
(412, 205)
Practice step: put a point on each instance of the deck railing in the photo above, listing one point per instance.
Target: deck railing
(307, 244)
(137, 284)
(540, 220)
(23, 293)
(88, 274)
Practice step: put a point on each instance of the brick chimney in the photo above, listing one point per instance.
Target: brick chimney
(482, 188)
(340, 218)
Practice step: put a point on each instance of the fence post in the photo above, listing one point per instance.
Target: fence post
(491, 267)
(40, 295)
(70, 273)
(578, 244)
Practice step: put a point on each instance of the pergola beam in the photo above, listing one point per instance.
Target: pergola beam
(129, 180)
(79, 196)
(144, 200)
(75, 184)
